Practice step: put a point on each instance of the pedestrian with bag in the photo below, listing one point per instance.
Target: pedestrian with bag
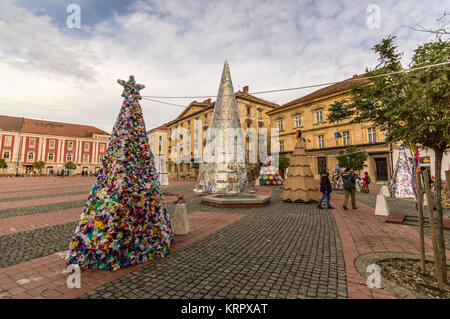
(349, 181)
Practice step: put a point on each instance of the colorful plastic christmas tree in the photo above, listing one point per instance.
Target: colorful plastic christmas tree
(125, 220)
(300, 185)
(403, 182)
(224, 169)
(269, 174)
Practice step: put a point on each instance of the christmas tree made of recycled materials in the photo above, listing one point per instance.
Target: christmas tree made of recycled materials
(269, 174)
(125, 220)
(300, 185)
(226, 172)
(403, 181)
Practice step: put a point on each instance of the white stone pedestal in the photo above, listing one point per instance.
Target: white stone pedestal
(385, 191)
(382, 207)
(180, 222)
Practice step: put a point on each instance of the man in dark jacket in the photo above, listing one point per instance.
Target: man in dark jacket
(325, 189)
(349, 187)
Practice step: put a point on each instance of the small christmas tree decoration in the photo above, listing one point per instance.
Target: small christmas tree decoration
(269, 174)
(125, 220)
(403, 181)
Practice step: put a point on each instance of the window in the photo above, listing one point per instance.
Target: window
(70, 145)
(320, 141)
(86, 158)
(6, 154)
(69, 157)
(86, 146)
(102, 147)
(321, 165)
(297, 121)
(30, 156)
(51, 144)
(319, 116)
(346, 138)
(372, 134)
(8, 140)
(248, 110)
(280, 124)
(32, 142)
(51, 156)
(281, 146)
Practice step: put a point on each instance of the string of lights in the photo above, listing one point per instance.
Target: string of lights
(362, 78)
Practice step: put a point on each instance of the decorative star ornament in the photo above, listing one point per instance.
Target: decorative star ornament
(131, 89)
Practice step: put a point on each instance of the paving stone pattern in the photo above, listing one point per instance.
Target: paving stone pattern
(282, 250)
(14, 199)
(46, 208)
(20, 247)
(401, 206)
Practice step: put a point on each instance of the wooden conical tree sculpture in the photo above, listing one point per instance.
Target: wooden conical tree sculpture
(300, 185)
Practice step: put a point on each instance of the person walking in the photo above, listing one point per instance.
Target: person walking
(349, 187)
(325, 189)
(366, 182)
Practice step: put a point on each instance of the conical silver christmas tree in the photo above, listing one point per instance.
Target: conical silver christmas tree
(223, 169)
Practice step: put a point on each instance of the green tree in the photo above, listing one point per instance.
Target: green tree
(409, 107)
(39, 165)
(3, 164)
(284, 163)
(70, 166)
(352, 158)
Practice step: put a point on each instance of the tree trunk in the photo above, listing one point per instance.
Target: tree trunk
(439, 213)
(420, 212)
(436, 249)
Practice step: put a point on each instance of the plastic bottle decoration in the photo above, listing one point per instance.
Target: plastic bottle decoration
(403, 182)
(269, 174)
(125, 220)
(228, 173)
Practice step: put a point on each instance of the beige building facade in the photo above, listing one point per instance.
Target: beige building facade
(252, 110)
(157, 139)
(309, 114)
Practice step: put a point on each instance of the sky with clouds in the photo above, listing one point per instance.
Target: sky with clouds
(178, 47)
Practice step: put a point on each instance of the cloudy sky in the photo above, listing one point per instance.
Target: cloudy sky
(178, 47)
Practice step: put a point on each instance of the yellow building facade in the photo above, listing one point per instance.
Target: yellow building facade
(157, 139)
(252, 110)
(309, 115)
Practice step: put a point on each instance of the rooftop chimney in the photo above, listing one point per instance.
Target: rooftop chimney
(245, 89)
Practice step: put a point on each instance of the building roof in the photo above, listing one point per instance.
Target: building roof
(329, 90)
(26, 125)
(208, 104)
(248, 96)
(159, 128)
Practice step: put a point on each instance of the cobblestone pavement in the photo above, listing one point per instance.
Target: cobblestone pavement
(402, 206)
(283, 250)
(49, 195)
(279, 251)
(17, 248)
(45, 208)
(46, 277)
(20, 247)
